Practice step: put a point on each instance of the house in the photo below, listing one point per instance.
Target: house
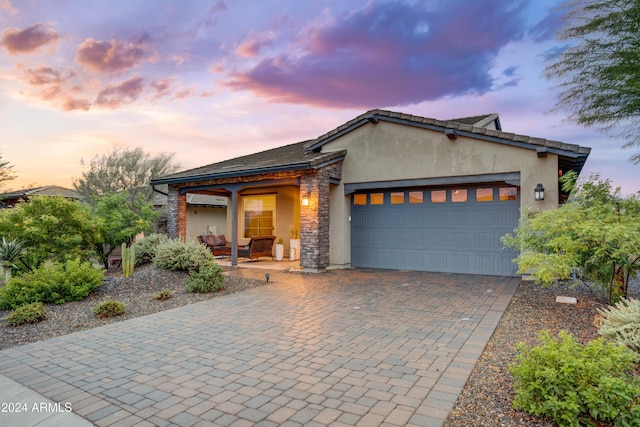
(388, 190)
(11, 198)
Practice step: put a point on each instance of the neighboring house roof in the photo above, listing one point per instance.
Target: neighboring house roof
(481, 121)
(49, 190)
(306, 154)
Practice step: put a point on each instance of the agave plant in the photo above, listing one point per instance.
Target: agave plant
(11, 252)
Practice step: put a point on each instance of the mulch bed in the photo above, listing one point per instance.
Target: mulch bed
(135, 292)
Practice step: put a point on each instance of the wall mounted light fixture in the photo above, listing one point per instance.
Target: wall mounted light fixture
(305, 200)
(539, 191)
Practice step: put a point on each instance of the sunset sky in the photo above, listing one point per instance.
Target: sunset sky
(212, 80)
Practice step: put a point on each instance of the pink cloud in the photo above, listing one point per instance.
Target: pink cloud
(253, 44)
(389, 54)
(17, 41)
(182, 94)
(70, 104)
(111, 56)
(44, 75)
(162, 88)
(7, 6)
(59, 96)
(116, 95)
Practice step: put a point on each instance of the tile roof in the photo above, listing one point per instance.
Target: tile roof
(306, 154)
(288, 157)
(435, 124)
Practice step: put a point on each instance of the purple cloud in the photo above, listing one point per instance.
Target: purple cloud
(71, 104)
(17, 41)
(122, 93)
(391, 54)
(253, 44)
(44, 75)
(111, 56)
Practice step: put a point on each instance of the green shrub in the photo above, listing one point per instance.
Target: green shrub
(575, 384)
(53, 228)
(29, 313)
(146, 248)
(208, 279)
(185, 256)
(56, 283)
(163, 295)
(621, 323)
(109, 308)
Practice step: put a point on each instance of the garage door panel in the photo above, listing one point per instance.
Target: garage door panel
(443, 237)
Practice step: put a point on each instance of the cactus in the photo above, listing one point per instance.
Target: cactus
(128, 260)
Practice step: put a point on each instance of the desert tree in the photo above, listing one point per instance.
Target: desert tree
(598, 72)
(123, 170)
(594, 238)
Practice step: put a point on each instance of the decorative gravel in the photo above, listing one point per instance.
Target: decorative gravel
(486, 399)
(135, 292)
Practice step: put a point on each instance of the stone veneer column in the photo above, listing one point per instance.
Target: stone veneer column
(176, 213)
(314, 222)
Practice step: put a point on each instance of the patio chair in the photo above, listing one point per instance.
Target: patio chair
(257, 247)
(217, 244)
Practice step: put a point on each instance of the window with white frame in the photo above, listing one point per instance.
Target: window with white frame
(258, 215)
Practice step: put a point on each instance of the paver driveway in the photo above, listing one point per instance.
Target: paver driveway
(350, 347)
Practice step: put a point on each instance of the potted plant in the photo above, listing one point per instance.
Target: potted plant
(279, 249)
(294, 243)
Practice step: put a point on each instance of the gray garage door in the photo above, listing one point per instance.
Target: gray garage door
(454, 230)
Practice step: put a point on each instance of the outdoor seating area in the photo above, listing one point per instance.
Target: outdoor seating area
(258, 246)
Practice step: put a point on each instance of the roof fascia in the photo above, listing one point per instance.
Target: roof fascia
(233, 174)
(375, 118)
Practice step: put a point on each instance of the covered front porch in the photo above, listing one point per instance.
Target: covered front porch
(290, 204)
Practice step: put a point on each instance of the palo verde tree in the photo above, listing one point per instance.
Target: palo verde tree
(599, 71)
(595, 237)
(123, 170)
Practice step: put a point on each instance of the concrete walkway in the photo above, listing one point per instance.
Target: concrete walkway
(347, 347)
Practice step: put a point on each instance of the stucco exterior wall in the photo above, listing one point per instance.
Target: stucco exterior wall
(200, 217)
(388, 151)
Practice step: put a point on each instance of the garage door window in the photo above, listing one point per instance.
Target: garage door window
(508, 193)
(377, 198)
(484, 194)
(416, 197)
(397, 198)
(439, 196)
(360, 199)
(459, 196)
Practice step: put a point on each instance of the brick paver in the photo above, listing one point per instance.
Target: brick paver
(349, 347)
